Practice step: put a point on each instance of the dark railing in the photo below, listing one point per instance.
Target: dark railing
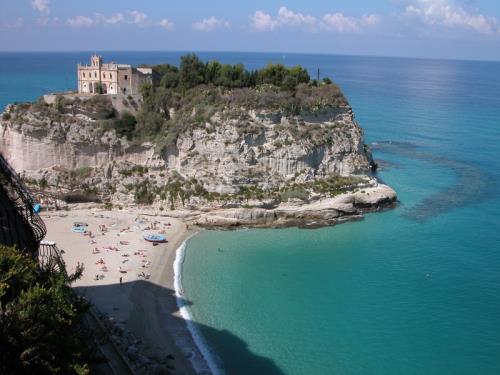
(49, 255)
(20, 225)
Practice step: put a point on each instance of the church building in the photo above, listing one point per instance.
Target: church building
(111, 78)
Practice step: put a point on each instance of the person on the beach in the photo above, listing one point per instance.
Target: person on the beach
(120, 280)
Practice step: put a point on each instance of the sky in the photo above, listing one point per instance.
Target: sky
(454, 29)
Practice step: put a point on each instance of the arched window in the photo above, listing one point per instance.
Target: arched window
(111, 75)
(104, 75)
(83, 74)
(95, 74)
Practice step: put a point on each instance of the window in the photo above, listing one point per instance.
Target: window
(104, 75)
(126, 77)
(83, 74)
(111, 75)
(95, 74)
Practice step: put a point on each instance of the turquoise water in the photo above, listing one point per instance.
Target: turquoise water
(415, 290)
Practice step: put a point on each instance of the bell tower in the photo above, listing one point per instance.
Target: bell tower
(96, 61)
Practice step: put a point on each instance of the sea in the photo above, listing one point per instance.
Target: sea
(414, 290)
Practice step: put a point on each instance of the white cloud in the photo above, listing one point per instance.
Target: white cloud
(167, 24)
(42, 6)
(211, 24)
(288, 17)
(138, 18)
(336, 22)
(111, 20)
(263, 21)
(133, 17)
(450, 14)
(80, 21)
(343, 24)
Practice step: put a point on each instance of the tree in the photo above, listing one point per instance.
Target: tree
(300, 74)
(272, 74)
(212, 72)
(192, 71)
(40, 318)
(170, 80)
(163, 69)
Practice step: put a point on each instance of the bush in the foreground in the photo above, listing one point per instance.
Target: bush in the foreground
(40, 318)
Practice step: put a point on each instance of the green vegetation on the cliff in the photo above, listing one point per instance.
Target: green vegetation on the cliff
(178, 188)
(40, 318)
(188, 96)
(185, 97)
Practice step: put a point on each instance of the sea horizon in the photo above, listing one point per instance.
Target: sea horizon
(209, 51)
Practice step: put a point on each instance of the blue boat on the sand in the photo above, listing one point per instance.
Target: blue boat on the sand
(155, 238)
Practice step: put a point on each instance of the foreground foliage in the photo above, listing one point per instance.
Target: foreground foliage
(40, 318)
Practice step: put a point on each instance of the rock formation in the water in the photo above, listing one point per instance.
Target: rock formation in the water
(240, 156)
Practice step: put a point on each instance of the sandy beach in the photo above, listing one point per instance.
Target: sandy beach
(128, 279)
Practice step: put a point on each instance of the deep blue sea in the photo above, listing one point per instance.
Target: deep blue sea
(414, 290)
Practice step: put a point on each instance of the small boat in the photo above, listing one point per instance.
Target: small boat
(79, 229)
(80, 224)
(155, 238)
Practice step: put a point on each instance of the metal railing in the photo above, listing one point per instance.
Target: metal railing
(49, 255)
(20, 225)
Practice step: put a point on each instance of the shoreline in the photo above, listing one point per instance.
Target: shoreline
(208, 363)
(148, 316)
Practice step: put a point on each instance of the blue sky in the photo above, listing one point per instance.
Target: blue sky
(461, 29)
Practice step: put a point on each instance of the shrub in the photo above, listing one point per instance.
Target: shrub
(144, 193)
(41, 329)
(125, 125)
(6, 116)
(294, 193)
(59, 103)
(81, 173)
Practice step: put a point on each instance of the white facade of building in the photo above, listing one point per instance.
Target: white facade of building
(111, 78)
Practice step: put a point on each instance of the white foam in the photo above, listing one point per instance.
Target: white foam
(208, 363)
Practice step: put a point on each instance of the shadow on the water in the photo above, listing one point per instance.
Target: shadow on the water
(155, 316)
(472, 183)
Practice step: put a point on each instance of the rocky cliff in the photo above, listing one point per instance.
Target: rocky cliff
(237, 166)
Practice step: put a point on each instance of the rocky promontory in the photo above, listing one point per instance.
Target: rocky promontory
(258, 154)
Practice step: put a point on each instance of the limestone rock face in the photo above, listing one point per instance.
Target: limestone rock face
(235, 150)
(269, 152)
(268, 149)
(33, 143)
